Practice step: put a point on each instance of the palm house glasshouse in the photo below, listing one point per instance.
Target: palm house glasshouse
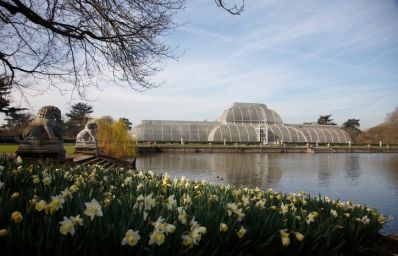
(240, 123)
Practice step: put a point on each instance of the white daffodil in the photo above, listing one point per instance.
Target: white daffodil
(66, 227)
(333, 212)
(131, 238)
(284, 208)
(149, 202)
(93, 209)
(171, 202)
(182, 215)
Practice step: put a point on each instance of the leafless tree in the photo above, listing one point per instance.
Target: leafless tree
(87, 42)
(235, 8)
(81, 42)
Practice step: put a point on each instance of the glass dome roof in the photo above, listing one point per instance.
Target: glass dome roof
(250, 113)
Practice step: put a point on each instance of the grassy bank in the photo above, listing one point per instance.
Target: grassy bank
(11, 148)
(62, 210)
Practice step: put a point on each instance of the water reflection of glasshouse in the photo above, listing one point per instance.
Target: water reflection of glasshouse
(242, 123)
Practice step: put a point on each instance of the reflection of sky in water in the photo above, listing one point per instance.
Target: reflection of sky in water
(370, 179)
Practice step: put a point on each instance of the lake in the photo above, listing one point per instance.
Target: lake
(370, 179)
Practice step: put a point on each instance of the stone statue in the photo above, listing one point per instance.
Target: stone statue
(43, 136)
(46, 126)
(87, 135)
(86, 140)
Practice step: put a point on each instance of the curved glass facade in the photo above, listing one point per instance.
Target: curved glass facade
(242, 123)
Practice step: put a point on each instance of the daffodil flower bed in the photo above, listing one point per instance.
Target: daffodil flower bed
(51, 209)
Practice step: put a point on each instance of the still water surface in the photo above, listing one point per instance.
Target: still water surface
(370, 179)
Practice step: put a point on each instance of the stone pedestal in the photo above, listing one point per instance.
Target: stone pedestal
(86, 148)
(32, 149)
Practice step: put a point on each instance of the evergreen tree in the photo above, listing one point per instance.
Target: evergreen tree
(78, 116)
(351, 126)
(326, 120)
(127, 122)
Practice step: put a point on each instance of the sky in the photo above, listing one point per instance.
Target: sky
(302, 59)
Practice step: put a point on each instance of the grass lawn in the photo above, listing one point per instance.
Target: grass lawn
(11, 148)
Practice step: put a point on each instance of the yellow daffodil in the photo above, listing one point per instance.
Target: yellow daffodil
(3, 232)
(67, 227)
(15, 195)
(77, 220)
(35, 179)
(131, 238)
(231, 208)
(381, 219)
(223, 227)
(245, 200)
(242, 231)
(299, 236)
(73, 188)
(285, 237)
(17, 217)
(40, 206)
(93, 209)
(55, 204)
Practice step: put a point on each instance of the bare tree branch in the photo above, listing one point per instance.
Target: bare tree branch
(235, 9)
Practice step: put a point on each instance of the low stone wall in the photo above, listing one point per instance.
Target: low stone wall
(243, 149)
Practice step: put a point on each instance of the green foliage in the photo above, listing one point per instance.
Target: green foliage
(78, 115)
(351, 126)
(127, 122)
(325, 120)
(114, 138)
(275, 224)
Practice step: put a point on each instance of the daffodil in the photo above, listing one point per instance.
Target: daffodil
(19, 160)
(223, 227)
(157, 237)
(171, 202)
(66, 227)
(245, 200)
(242, 231)
(55, 204)
(260, 203)
(231, 208)
(149, 202)
(40, 206)
(3, 232)
(73, 188)
(17, 217)
(169, 228)
(299, 236)
(77, 220)
(182, 215)
(333, 212)
(187, 241)
(285, 237)
(139, 187)
(1, 185)
(284, 208)
(15, 195)
(311, 217)
(93, 209)
(381, 219)
(131, 238)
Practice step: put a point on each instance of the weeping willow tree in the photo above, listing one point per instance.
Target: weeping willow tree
(114, 138)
